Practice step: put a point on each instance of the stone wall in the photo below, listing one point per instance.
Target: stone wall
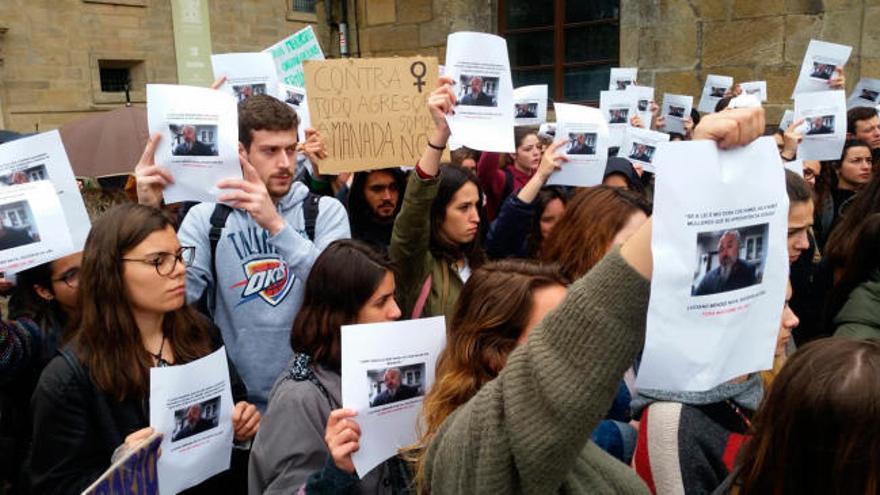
(676, 43)
(50, 51)
(410, 27)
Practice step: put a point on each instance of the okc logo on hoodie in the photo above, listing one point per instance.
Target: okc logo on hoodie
(267, 278)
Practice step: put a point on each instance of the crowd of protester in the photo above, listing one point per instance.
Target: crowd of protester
(545, 292)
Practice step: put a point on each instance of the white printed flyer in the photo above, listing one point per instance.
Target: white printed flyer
(586, 130)
(644, 96)
(622, 77)
(824, 127)
(484, 111)
(720, 264)
(33, 228)
(247, 74)
(191, 406)
(640, 145)
(713, 91)
(42, 157)
(530, 105)
(199, 143)
(676, 108)
(819, 66)
(617, 107)
(387, 368)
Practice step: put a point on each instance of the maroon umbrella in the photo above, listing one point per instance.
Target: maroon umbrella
(109, 143)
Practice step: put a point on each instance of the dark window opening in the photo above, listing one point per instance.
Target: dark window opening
(569, 45)
(115, 79)
(308, 6)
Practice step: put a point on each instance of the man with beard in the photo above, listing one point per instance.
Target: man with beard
(373, 204)
(732, 273)
(252, 264)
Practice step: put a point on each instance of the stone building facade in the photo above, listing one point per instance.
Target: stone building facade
(51, 52)
(677, 43)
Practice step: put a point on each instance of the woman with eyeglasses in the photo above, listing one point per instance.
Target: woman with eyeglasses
(91, 403)
(40, 306)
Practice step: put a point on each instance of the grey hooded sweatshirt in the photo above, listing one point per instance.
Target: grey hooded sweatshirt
(260, 280)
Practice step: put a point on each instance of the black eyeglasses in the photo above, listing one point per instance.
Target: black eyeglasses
(165, 263)
(70, 278)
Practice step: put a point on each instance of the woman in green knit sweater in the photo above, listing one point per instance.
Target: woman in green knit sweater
(528, 430)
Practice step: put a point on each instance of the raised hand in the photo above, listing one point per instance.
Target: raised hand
(839, 79)
(791, 138)
(313, 147)
(342, 436)
(151, 179)
(250, 194)
(245, 421)
(735, 127)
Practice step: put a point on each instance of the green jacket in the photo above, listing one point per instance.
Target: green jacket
(410, 252)
(860, 316)
(528, 430)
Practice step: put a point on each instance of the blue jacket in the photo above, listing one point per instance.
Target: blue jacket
(509, 232)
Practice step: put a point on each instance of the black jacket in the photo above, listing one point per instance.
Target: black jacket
(77, 427)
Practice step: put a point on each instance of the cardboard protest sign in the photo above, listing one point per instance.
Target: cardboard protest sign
(133, 473)
(371, 112)
(290, 53)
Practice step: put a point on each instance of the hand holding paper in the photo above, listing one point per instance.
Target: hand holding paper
(342, 436)
(151, 179)
(736, 127)
(839, 79)
(245, 421)
(551, 161)
(313, 147)
(132, 442)
(251, 195)
(791, 139)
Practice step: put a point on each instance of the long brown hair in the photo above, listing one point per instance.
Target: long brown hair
(591, 220)
(858, 266)
(490, 316)
(341, 281)
(843, 237)
(107, 337)
(816, 431)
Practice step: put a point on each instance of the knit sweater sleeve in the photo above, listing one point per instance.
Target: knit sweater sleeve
(523, 431)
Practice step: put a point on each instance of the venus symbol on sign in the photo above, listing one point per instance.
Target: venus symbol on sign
(412, 70)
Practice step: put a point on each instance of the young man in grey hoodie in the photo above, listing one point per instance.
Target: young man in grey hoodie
(264, 255)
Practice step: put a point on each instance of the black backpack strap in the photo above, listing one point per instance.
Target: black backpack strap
(508, 183)
(310, 214)
(218, 222)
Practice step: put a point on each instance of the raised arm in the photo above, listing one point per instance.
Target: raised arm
(510, 228)
(411, 236)
(524, 430)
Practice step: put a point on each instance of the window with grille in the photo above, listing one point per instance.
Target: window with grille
(114, 79)
(569, 45)
(308, 6)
